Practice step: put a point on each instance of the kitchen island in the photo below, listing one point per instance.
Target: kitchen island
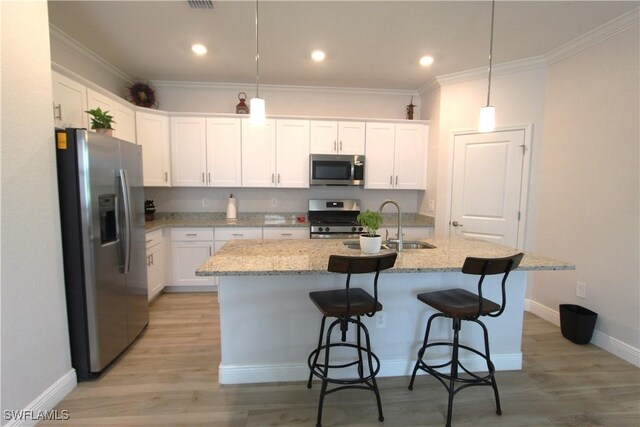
(268, 325)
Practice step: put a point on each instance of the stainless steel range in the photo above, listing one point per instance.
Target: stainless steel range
(334, 219)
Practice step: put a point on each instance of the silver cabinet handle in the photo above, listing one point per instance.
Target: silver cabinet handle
(286, 234)
(203, 177)
(209, 177)
(148, 241)
(166, 177)
(209, 250)
(273, 178)
(152, 259)
(191, 234)
(237, 234)
(340, 146)
(390, 179)
(59, 108)
(456, 224)
(396, 179)
(278, 178)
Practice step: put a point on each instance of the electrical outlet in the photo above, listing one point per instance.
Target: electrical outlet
(581, 290)
(432, 205)
(381, 320)
(274, 202)
(205, 203)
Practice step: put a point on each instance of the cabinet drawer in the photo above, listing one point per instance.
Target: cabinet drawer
(192, 234)
(153, 238)
(285, 232)
(229, 233)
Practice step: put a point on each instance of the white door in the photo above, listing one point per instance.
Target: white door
(378, 166)
(323, 137)
(152, 132)
(69, 102)
(125, 118)
(186, 258)
(410, 159)
(351, 137)
(292, 165)
(259, 154)
(487, 178)
(224, 163)
(188, 152)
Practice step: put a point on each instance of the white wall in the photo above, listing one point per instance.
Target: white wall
(431, 111)
(590, 183)
(519, 100)
(35, 342)
(259, 199)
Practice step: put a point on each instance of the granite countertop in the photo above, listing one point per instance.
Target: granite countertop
(284, 257)
(263, 219)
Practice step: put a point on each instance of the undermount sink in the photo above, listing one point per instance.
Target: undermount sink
(354, 244)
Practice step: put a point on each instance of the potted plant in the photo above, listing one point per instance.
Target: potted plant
(101, 121)
(370, 242)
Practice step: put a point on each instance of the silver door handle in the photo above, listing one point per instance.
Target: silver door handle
(340, 146)
(396, 179)
(151, 259)
(456, 224)
(59, 108)
(127, 215)
(191, 234)
(237, 234)
(273, 178)
(203, 177)
(166, 177)
(209, 250)
(286, 234)
(390, 179)
(278, 178)
(209, 177)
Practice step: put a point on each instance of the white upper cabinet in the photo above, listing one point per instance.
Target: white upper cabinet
(69, 102)
(188, 152)
(396, 156)
(123, 117)
(330, 137)
(152, 133)
(224, 152)
(292, 153)
(259, 154)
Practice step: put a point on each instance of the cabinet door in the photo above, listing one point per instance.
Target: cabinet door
(186, 257)
(155, 270)
(284, 233)
(125, 122)
(292, 167)
(69, 102)
(378, 167)
(188, 152)
(224, 161)
(152, 133)
(323, 137)
(98, 100)
(258, 154)
(351, 137)
(410, 153)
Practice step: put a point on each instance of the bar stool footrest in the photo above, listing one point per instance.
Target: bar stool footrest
(475, 380)
(316, 368)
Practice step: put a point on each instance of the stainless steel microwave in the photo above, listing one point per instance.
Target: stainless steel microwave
(327, 169)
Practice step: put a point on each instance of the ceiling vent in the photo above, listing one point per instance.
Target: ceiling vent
(200, 4)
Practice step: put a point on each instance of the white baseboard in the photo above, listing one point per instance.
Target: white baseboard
(612, 345)
(43, 405)
(195, 288)
(245, 374)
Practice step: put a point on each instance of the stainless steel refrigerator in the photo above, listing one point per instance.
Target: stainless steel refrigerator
(102, 219)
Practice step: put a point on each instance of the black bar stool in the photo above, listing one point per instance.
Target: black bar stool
(458, 305)
(347, 305)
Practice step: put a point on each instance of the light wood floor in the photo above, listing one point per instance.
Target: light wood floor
(170, 378)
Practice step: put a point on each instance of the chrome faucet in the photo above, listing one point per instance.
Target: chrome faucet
(400, 240)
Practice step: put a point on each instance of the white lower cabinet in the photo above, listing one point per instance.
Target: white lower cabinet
(285, 233)
(224, 234)
(156, 263)
(408, 233)
(190, 248)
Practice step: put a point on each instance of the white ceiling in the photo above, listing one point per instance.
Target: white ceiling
(369, 44)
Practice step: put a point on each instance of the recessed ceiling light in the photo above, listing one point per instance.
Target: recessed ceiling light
(317, 55)
(425, 61)
(199, 49)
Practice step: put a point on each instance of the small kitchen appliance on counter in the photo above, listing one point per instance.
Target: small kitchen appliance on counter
(232, 207)
(334, 219)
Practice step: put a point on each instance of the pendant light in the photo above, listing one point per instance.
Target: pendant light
(257, 108)
(487, 122)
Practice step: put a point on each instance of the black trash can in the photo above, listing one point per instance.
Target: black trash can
(577, 323)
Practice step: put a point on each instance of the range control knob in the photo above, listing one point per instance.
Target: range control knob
(353, 229)
(326, 229)
(320, 229)
(359, 228)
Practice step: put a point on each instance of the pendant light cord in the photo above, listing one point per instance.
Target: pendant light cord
(257, 54)
(493, 6)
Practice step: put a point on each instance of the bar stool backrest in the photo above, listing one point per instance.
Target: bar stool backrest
(360, 265)
(488, 267)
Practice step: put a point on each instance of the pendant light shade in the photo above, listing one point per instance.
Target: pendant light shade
(257, 105)
(487, 121)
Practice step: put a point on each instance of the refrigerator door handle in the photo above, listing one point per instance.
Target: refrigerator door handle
(127, 215)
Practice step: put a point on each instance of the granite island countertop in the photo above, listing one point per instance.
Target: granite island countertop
(306, 257)
(263, 219)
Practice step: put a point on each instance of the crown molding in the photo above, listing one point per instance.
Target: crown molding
(302, 90)
(68, 43)
(497, 70)
(429, 87)
(595, 36)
